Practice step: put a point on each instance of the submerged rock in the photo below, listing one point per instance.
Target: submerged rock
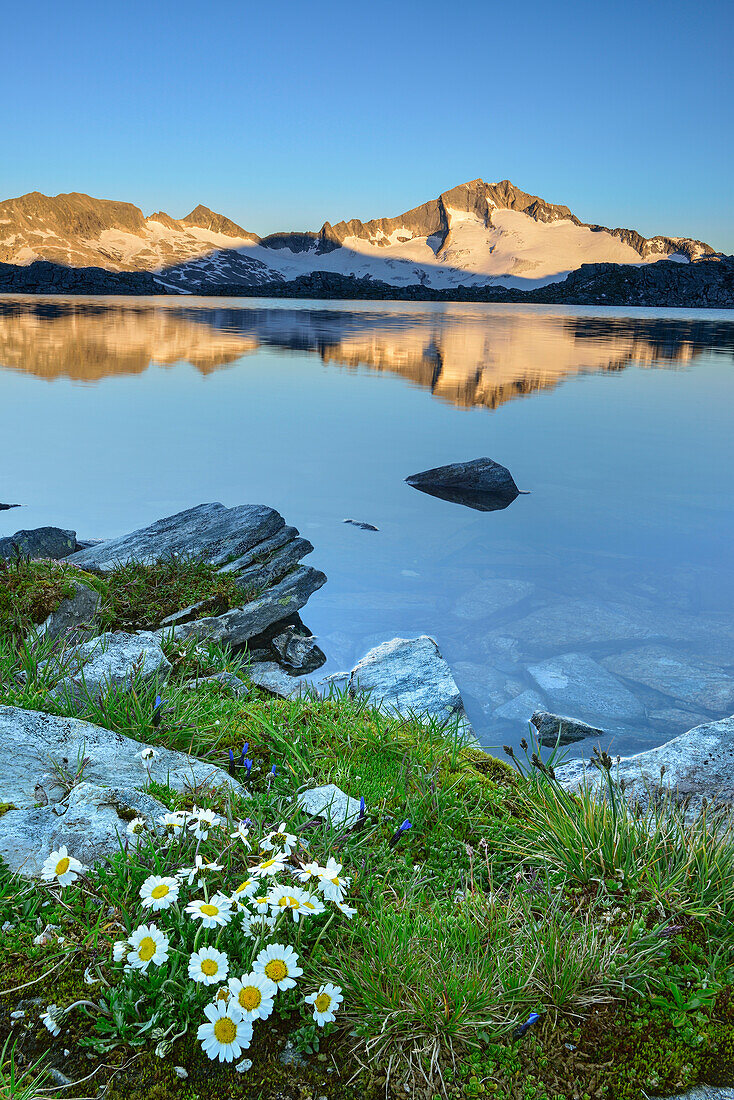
(521, 707)
(697, 764)
(698, 682)
(481, 484)
(109, 661)
(556, 728)
(409, 676)
(362, 526)
(490, 596)
(41, 542)
(575, 682)
(5, 507)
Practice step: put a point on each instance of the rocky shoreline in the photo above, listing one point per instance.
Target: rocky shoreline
(705, 283)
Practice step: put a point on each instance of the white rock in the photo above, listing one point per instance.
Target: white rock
(329, 802)
(112, 660)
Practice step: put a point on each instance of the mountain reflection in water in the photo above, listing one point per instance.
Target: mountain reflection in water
(467, 356)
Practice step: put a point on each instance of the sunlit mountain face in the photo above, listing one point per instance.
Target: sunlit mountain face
(466, 355)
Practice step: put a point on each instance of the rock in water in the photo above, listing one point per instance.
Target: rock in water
(409, 675)
(208, 531)
(575, 682)
(554, 728)
(42, 542)
(5, 507)
(481, 484)
(362, 526)
(698, 765)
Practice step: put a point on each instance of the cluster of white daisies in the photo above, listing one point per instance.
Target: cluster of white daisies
(259, 905)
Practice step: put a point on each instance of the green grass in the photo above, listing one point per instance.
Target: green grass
(507, 896)
(30, 591)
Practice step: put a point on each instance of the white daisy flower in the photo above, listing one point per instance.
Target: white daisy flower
(258, 925)
(260, 903)
(254, 994)
(269, 866)
(279, 963)
(309, 871)
(188, 874)
(202, 821)
(212, 914)
(120, 949)
(287, 897)
(347, 910)
(51, 1019)
(158, 892)
(225, 1034)
(147, 756)
(136, 826)
(325, 1003)
(208, 966)
(241, 833)
(62, 867)
(312, 905)
(243, 892)
(332, 884)
(148, 945)
(280, 841)
(173, 823)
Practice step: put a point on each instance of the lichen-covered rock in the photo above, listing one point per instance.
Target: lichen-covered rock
(226, 681)
(330, 802)
(237, 626)
(42, 542)
(92, 823)
(209, 531)
(72, 614)
(271, 677)
(109, 661)
(698, 764)
(409, 676)
(34, 745)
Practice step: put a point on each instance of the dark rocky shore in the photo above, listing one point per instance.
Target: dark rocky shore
(706, 283)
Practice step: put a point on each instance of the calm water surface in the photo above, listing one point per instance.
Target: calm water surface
(114, 412)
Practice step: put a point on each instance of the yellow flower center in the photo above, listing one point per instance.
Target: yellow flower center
(209, 967)
(261, 901)
(322, 1002)
(267, 863)
(160, 890)
(276, 970)
(243, 886)
(209, 910)
(250, 997)
(146, 948)
(63, 866)
(336, 881)
(225, 1030)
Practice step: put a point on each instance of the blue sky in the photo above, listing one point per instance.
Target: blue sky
(284, 114)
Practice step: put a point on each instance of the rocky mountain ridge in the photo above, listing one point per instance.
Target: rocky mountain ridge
(476, 234)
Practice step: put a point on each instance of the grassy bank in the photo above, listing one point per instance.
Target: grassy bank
(505, 901)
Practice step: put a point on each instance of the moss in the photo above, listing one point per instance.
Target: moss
(139, 595)
(489, 766)
(30, 591)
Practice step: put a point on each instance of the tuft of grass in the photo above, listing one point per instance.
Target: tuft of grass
(140, 595)
(30, 590)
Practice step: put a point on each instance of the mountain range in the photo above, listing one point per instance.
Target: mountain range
(477, 235)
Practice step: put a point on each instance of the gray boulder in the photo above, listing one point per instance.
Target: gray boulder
(237, 626)
(72, 614)
(698, 764)
(699, 683)
(226, 681)
(703, 1092)
(34, 745)
(271, 677)
(107, 662)
(296, 650)
(481, 484)
(575, 682)
(208, 531)
(42, 542)
(409, 676)
(556, 728)
(331, 803)
(92, 823)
